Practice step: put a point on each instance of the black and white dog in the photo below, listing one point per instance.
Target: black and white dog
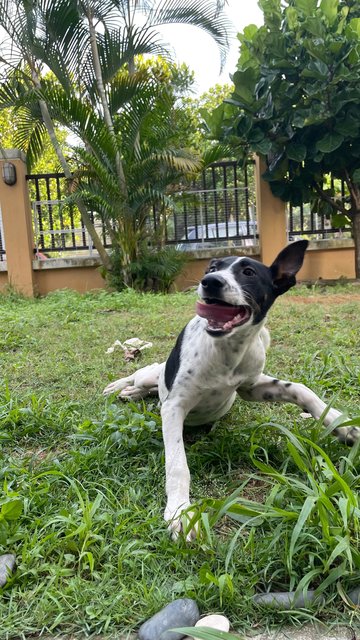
(219, 354)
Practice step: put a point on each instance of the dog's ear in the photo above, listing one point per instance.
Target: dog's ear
(286, 265)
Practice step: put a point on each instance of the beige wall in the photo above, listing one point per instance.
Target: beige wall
(322, 261)
(81, 279)
(330, 263)
(3, 280)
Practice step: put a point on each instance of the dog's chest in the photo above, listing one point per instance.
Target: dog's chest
(211, 369)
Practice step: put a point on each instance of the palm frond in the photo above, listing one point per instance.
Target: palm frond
(96, 172)
(215, 153)
(204, 14)
(124, 88)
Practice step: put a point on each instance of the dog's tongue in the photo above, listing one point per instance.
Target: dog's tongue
(218, 312)
(222, 317)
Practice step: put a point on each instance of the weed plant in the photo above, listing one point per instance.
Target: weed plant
(82, 477)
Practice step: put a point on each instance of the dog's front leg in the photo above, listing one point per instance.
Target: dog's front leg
(268, 389)
(176, 468)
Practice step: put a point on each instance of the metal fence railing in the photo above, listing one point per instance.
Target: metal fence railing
(307, 222)
(212, 217)
(216, 210)
(58, 225)
(302, 222)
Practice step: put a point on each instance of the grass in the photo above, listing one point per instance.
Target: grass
(83, 482)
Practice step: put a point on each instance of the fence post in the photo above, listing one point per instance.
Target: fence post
(16, 217)
(271, 216)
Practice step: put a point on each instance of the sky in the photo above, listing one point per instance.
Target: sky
(201, 54)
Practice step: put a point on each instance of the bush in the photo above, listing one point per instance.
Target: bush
(154, 270)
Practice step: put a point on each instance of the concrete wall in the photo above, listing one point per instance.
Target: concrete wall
(325, 259)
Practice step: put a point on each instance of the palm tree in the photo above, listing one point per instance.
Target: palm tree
(85, 44)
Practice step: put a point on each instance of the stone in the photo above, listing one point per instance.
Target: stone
(7, 566)
(214, 621)
(354, 596)
(285, 599)
(183, 612)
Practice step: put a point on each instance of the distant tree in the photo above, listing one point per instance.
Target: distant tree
(10, 129)
(297, 102)
(198, 111)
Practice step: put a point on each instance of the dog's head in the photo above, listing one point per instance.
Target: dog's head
(239, 291)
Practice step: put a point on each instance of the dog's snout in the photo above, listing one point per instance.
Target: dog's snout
(212, 281)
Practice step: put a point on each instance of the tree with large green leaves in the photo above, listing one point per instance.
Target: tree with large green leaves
(87, 44)
(297, 102)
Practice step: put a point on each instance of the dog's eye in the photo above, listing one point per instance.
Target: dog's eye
(212, 268)
(248, 271)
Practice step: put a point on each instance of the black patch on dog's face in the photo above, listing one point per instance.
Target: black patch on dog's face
(261, 285)
(255, 281)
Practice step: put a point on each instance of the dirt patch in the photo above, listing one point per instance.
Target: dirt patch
(338, 298)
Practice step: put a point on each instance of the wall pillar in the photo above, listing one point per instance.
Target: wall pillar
(17, 225)
(271, 216)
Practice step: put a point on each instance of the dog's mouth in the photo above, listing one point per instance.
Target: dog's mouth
(221, 316)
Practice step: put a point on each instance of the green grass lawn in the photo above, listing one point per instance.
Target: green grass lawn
(93, 553)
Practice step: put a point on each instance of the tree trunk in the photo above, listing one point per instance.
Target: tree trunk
(356, 236)
(102, 95)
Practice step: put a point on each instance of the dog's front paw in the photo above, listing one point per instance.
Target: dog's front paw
(115, 386)
(348, 435)
(181, 522)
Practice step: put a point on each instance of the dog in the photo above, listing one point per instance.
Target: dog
(220, 355)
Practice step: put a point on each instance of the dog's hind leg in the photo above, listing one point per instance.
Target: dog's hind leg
(140, 384)
(268, 389)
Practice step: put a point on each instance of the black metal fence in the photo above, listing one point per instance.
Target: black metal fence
(306, 222)
(217, 209)
(58, 226)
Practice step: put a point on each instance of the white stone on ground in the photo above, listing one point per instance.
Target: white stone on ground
(214, 621)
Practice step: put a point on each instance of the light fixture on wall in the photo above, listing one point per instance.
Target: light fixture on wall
(9, 173)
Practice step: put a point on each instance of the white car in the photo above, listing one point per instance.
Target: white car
(226, 234)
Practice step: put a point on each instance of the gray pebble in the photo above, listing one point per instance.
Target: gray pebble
(179, 613)
(285, 599)
(7, 565)
(354, 596)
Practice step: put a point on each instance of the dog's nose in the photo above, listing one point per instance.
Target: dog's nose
(212, 281)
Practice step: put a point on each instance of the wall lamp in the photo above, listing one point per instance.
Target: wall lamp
(9, 173)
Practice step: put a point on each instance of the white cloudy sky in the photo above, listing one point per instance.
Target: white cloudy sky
(199, 51)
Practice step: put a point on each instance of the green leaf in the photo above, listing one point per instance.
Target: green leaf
(353, 28)
(245, 82)
(308, 7)
(330, 142)
(12, 510)
(204, 633)
(356, 176)
(334, 575)
(292, 17)
(314, 26)
(339, 220)
(316, 69)
(296, 151)
(348, 127)
(330, 9)
(303, 516)
(263, 147)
